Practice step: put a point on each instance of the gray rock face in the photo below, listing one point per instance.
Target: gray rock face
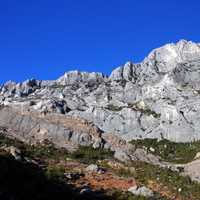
(157, 98)
(76, 76)
(122, 155)
(94, 169)
(33, 127)
(141, 191)
(15, 152)
(64, 131)
(192, 170)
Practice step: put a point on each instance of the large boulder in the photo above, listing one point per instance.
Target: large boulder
(141, 191)
(122, 155)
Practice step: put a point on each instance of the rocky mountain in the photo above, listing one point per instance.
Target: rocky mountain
(132, 134)
(157, 98)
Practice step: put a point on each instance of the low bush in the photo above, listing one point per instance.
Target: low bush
(173, 180)
(90, 155)
(125, 172)
(120, 195)
(55, 173)
(170, 151)
(114, 108)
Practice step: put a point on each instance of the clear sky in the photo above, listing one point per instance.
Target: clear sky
(44, 38)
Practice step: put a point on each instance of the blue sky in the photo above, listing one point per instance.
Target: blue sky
(44, 38)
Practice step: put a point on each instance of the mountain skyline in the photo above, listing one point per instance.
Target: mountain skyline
(43, 40)
(77, 70)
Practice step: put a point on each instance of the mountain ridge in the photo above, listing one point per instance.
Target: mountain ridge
(182, 42)
(157, 98)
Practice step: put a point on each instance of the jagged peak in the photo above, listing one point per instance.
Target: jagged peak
(179, 50)
(186, 42)
(183, 41)
(165, 58)
(77, 76)
(9, 83)
(122, 72)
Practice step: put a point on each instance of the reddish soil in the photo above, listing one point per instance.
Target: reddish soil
(106, 181)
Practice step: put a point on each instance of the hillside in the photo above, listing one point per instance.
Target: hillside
(132, 135)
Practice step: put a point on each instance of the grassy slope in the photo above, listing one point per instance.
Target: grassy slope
(36, 181)
(170, 151)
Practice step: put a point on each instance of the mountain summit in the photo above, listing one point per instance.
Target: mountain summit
(157, 98)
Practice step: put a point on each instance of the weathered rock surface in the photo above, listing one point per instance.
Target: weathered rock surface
(33, 127)
(141, 191)
(93, 168)
(192, 170)
(157, 98)
(122, 155)
(63, 131)
(15, 152)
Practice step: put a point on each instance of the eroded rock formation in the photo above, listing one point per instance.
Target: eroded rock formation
(157, 98)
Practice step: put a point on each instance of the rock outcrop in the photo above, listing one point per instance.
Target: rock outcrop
(157, 98)
(64, 131)
(32, 127)
(142, 191)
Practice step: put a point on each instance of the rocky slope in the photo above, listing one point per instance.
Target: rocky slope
(92, 117)
(45, 172)
(157, 98)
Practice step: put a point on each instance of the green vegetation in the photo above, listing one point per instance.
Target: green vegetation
(40, 151)
(170, 151)
(90, 155)
(168, 180)
(55, 172)
(166, 177)
(122, 82)
(22, 181)
(151, 112)
(48, 151)
(8, 141)
(57, 86)
(126, 172)
(51, 178)
(114, 108)
(119, 195)
(45, 151)
(146, 111)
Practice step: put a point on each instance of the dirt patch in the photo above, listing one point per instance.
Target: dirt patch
(106, 181)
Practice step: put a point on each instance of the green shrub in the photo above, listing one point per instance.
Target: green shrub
(90, 155)
(10, 142)
(125, 172)
(21, 180)
(114, 108)
(57, 86)
(120, 195)
(170, 151)
(55, 172)
(46, 152)
(166, 177)
(42, 151)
